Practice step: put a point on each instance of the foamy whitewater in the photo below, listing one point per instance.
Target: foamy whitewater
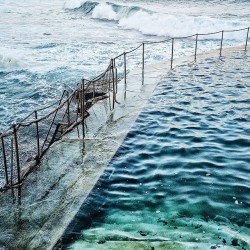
(47, 46)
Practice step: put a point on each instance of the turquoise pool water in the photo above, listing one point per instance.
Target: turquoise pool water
(182, 173)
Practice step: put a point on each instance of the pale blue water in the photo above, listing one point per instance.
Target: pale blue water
(182, 173)
(45, 45)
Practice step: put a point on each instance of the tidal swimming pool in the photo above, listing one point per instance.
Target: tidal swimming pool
(181, 177)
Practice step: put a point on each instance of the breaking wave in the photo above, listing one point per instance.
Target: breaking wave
(7, 61)
(158, 24)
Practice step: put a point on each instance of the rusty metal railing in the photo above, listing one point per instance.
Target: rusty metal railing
(23, 145)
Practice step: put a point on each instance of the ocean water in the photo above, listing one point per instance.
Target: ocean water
(182, 173)
(48, 46)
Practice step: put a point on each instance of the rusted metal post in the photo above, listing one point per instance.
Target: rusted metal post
(5, 162)
(68, 111)
(115, 70)
(143, 61)
(125, 74)
(11, 162)
(37, 136)
(221, 43)
(125, 69)
(196, 42)
(113, 80)
(51, 124)
(17, 154)
(247, 39)
(107, 77)
(83, 108)
(80, 99)
(172, 54)
(116, 81)
(93, 85)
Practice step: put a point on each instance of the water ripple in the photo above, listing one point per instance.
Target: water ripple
(185, 162)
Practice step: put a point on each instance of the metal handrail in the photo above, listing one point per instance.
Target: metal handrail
(76, 104)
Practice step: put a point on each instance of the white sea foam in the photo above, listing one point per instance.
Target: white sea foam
(176, 25)
(159, 24)
(104, 11)
(8, 61)
(73, 4)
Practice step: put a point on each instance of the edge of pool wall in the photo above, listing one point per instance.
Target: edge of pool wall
(53, 194)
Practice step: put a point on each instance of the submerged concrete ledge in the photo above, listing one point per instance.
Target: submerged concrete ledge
(53, 193)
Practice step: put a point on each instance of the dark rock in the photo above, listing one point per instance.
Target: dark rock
(235, 243)
(162, 221)
(213, 247)
(224, 241)
(142, 233)
(198, 226)
(101, 241)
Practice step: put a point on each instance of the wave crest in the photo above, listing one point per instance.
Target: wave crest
(85, 6)
(158, 24)
(104, 11)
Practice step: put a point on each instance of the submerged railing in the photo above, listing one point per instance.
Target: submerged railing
(23, 145)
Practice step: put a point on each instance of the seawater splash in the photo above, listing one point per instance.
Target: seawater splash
(60, 43)
(159, 24)
(176, 25)
(8, 61)
(105, 11)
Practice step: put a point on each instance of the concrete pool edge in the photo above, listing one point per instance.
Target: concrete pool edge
(165, 68)
(71, 161)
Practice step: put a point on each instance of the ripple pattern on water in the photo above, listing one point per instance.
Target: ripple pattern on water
(182, 172)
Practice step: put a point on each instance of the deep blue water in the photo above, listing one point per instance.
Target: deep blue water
(182, 173)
